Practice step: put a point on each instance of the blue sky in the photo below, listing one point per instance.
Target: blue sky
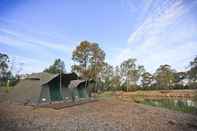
(35, 32)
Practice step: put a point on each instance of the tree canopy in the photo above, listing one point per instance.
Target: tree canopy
(193, 70)
(89, 60)
(4, 68)
(147, 80)
(165, 77)
(130, 72)
(57, 67)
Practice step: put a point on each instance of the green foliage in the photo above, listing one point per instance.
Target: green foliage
(193, 70)
(165, 77)
(115, 80)
(105, 95)
(4, 73)
(106, 76)
(7, 79)
(130, 72)
(147, 80)
(57, 67)
(89, 58)
(176, 105)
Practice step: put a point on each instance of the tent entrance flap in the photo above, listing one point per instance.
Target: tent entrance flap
(82, 92)
(55, 93)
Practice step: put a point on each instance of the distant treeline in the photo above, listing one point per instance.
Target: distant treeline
(90, 63)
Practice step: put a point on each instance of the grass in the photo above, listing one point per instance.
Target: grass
(6, 89)
(138, 99)
(171, 104)
(143, 97)
(195, 96)
(105, 95)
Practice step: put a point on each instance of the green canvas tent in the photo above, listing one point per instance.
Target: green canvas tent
(79, 89)
(41, 88)
(29, 88)
(56, 89)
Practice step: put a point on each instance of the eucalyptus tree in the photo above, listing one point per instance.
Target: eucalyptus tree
(131, 72)
(147, 80)
(106, 76)
(192, 73)
(4, 68)
(165, 77)
(89, 60)
(57, 67)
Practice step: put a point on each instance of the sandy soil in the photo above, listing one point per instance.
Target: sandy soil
(103, 115)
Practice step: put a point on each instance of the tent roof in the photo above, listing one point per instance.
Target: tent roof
(75, 83)
(64, 77)
(43, 76)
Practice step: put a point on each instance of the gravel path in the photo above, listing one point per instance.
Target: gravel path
(103, 115)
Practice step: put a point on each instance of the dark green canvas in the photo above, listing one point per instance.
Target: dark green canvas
(55, 93)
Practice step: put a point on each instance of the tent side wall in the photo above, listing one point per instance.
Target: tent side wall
(44, 95)
(82, 91)
(26, 91)
(67, 93)
(90, 88)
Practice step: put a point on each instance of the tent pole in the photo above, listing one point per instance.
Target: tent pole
(86, 84)
(60, 85)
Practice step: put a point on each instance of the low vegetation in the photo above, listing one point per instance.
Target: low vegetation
(177, 105)
(178, 100)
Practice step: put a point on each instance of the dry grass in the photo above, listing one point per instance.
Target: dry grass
(104, 115)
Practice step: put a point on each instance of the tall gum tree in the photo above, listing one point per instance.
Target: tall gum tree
(89, 60)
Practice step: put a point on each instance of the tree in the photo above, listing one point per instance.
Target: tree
(192, 73)
(116, 79)
(89, 58)
(4, 60)
(179, 76)
(165, 77)
(130, 72)
(57, 67)
(106, 76)
(147, 80)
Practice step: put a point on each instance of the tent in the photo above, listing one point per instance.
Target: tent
(79, 90)
(41, 88)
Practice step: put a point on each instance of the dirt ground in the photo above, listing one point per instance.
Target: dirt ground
(102, 115)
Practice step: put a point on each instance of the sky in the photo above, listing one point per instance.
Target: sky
(155, 32)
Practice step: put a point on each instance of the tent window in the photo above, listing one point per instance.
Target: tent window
(44, 99)
(66, 98)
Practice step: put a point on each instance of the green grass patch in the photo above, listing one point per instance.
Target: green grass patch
(195, 96)
(177, 105)
(138, 99)
(6, 89)
(105, 95)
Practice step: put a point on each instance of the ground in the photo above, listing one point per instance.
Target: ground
(102, 115)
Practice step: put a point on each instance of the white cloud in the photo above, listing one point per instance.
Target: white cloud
(158, 21)
(162, 37)
(13, 36)
(41, 52)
